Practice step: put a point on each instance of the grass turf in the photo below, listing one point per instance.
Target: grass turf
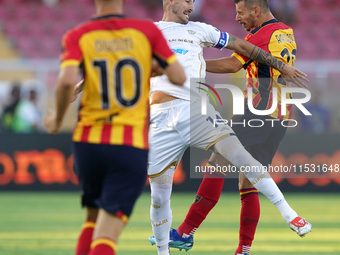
(48, 223)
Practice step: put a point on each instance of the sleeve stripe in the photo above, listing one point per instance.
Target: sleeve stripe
(70, 62)
(164, 63)
(172, 59)
(236, 55)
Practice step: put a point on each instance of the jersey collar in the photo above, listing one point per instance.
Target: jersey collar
(271, 21)
(107, 16)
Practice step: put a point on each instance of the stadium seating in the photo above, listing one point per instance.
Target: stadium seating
(36, 29)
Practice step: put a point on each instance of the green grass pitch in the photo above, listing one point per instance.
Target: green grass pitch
(48, 224)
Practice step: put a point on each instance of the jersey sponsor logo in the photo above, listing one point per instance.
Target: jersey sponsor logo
(181, 40)
(191, 32)
(180, 51)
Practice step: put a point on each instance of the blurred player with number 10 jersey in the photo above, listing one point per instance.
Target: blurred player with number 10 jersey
(111, 137)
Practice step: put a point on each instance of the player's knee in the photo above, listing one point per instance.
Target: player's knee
(219, 160)
(159, 199)
(244, 183)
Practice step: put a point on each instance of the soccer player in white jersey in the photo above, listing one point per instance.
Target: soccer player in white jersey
(174, 127)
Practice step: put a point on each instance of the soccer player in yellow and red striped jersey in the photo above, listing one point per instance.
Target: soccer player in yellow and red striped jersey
(114, 115)
(277, 39)
(110, 138)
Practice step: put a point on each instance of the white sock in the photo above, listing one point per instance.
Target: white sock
(268, 187)
(163, 250)
(160, 210)
(288, 214)
(231, 149)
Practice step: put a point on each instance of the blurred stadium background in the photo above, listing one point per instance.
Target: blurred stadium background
(33, 165)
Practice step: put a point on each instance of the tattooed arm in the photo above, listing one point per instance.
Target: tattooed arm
(254, 53)
(257, 54)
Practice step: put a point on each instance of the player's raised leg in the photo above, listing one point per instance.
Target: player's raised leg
(231, 149)
(262, 181)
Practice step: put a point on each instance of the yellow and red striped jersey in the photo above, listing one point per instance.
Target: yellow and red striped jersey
(277, 39)
(115, 54)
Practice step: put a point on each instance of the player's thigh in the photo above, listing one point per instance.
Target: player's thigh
(90, 181)
(261, 142)
(111, 177)
(124, 181)
(166, 145)
(206, 130)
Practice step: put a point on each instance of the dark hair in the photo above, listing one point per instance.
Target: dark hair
(263, 4)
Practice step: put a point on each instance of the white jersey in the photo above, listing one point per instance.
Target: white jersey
(187, 42)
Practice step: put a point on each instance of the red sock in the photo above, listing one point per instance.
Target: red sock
(85, 238)
(103, 246)
(250, 214)
(207, 196)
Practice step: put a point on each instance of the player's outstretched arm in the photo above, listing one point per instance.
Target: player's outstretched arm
(255, 53)
(68, 76)
(223, 65)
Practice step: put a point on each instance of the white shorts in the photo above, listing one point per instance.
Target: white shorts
(177, 125)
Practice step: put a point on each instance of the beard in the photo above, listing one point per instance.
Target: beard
(181, 18)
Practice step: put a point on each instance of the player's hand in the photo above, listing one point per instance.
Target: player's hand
(294, 75)
(50, 122)
(156, 69)
(77, 89)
